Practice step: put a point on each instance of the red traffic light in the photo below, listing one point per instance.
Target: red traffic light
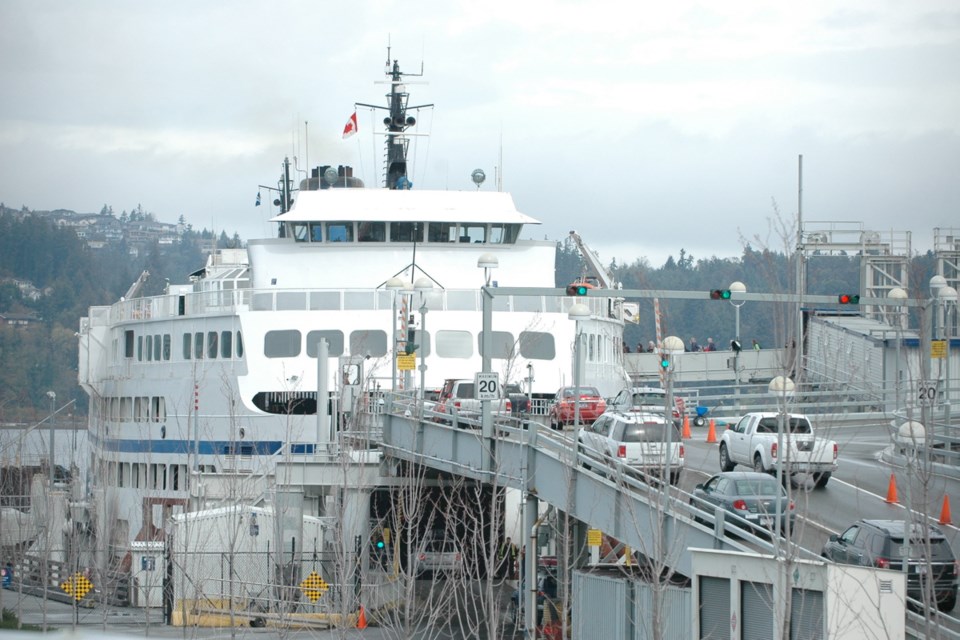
(848, 298)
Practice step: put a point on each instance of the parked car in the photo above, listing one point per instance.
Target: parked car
(459, 397)
(752, 497)
(562, 410)
(439, 554)
(639, 441)
(647, 399)
(880, 543)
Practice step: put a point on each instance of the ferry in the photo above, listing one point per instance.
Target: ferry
(362, 291)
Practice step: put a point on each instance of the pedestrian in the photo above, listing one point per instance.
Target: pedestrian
(694, 346)
(639, 347)
(651, 347)
(756, 345)
(626, 348)
(710, 346)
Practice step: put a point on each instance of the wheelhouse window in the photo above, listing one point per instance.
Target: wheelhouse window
(406, 232)
(316, 232)
(226, 344)
(503, 233)
(299, 230)
(442, 232)
(339, 232)
(473, 232)
(372, 232)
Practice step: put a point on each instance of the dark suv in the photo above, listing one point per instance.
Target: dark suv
(880, 543)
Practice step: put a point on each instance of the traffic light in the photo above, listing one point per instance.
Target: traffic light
(719, 294)
(411, 347)
(849, 298)
(664, 361)
(577, 289)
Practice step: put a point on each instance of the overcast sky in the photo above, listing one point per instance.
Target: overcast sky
(647, 128)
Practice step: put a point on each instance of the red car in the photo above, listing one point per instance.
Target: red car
(561, 413)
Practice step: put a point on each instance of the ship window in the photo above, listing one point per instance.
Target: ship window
(213, 344)
(159, 409)
(368, 343)
(226, 344)
(198, 345)
(316, 232)
(186, 346)
(128, 343)
(406, 232)
(141, 409)
(537, 345)
(372, 232)
(299, 231)
(281, 344)
(504, 233)
(166, 346)
(149, 348)
(291, 301)
(454, 344)
(473, 232)
(126, 409)
(442, 232)
(461, 300)
(239, 344)
(358, 300)
(526, 303)
(334, 340)
(339, 232)
(157, 345)
(175, 480)
(502, 345)
(140, 348)
(324, 301)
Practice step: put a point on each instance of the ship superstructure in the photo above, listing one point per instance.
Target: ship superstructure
(218, 378)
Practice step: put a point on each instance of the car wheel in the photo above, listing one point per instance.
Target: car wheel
(758, 464)
(725, 463)
(948, 603)
(821, 480)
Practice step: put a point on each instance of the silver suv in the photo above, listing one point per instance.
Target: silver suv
(638, 440)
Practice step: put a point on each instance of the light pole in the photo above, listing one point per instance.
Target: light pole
(671, 346)
(53, 434)
(897, 293)
(423, 286)
(948, 298)
(781, 387)
(736, 288)
(577, 312)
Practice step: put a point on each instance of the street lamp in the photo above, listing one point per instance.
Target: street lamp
(423, 286)
(737, 287)
(53, 433)
(577, 312)
(781, 387)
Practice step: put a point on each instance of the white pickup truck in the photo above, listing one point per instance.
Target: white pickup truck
(753, 442)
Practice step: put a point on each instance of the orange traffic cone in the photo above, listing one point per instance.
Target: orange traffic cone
(945, 511)
(362, 619)
(892, 491)
(712, 432)
(686, 427)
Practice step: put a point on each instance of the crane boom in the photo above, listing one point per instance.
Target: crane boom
(135, 288)
(593, 261)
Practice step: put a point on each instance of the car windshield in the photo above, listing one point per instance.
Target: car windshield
(647, 432)
(648, 397)
(757, 487)
(584, 391)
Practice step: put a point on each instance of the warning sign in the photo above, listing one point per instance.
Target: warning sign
(938, 349)
(406, 362)
(314, 586)
(594, 537)
(77, 585)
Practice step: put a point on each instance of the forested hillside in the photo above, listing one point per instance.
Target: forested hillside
(68, 277)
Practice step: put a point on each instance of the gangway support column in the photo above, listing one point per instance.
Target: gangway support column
(528, 573)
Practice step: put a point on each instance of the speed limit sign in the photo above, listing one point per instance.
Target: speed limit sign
(927, 393)
(487, 385)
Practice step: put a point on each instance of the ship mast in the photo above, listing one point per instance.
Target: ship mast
(396, 123)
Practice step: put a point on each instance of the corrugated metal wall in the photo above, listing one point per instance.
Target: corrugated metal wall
(622, 608)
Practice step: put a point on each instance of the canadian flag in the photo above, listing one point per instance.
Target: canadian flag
(351, 127)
